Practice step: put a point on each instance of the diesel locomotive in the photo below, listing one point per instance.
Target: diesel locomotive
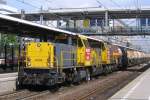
(72, 59)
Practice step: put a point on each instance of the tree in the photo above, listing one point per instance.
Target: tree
(8, 39)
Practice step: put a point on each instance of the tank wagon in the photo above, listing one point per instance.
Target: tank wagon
(72, 59)
(131, 57)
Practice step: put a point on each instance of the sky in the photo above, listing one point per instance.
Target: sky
(33, 5)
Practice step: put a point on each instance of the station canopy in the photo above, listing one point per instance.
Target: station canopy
(11, 25)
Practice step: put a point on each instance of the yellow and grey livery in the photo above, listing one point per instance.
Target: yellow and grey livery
(71, 59)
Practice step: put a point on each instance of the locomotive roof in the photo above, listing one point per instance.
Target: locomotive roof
(91, 38)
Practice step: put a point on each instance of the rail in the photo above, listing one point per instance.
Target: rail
(24, 95)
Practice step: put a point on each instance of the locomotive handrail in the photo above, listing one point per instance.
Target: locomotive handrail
(56, 61)
(21, 55)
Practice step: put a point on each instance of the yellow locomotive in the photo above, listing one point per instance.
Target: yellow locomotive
(71, 59)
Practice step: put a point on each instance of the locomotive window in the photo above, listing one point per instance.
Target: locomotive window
(86, 43)
(95, 44)
(64, 41)
(80, 43)
(74, 42)
(103, 47)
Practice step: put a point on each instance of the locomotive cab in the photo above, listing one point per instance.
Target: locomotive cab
(106, 54)
(38, 67)
(83, 51)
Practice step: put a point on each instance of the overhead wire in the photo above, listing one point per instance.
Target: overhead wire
(115, 16)
(29, 4)
(62, 18)
(120, 7)
(22, 1)
(115, 3)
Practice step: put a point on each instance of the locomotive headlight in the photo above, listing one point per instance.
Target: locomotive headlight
(38, 45)
(48, 62)
(29, 64)
(28, 61)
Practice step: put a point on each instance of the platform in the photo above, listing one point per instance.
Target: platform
(138, 89)
(7, 82)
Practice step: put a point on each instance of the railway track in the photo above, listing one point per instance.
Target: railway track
(92, 95)
(23, 95)
(13, 94)
(35, 96)
(102, 88)
(100, 93)
(98, 89)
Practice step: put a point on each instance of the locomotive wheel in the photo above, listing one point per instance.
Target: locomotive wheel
(76, 77)
(69, 78)
(105, 71)
(88, 76)
(109, 69)
(116, 68)
(18, 85)
(112, 68)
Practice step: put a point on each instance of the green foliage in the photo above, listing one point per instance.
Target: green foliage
(8, 39)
